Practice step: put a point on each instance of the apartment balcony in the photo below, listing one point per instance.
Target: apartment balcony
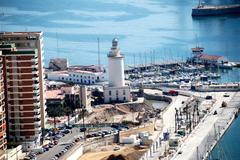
(35, 85)
(21, 66)
(38, 116)
(21, 60)
(35, 97)
(35, 129)
(36, 104)
(37, 123)
(22, 73)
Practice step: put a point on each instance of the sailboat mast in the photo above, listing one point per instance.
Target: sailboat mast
(99, 63)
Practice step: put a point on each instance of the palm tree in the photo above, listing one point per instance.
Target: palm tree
(55, 110)
(68, 112)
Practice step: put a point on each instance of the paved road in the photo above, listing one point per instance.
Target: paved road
(57, 148)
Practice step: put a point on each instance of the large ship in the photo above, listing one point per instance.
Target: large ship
(211, 10)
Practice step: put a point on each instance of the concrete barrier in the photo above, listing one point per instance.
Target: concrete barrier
(76, 154)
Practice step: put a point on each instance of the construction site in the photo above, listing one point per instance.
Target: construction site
(150, 132)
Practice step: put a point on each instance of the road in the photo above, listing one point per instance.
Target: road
(59, 147)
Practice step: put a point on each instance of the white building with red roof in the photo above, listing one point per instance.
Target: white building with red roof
(200, 57)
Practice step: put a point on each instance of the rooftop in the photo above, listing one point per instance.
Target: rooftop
(197, 49)
(54, 94)
(209, 57)
(21, 33)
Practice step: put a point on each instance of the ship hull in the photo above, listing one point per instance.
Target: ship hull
(215, 10)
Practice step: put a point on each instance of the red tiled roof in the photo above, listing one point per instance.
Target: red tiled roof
(209, 57)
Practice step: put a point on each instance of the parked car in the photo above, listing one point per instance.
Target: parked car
(83, 129)
(66, 131)
(226, 95)
(208, 97)
(55, 142)
(77, 139)
(116, 148)
(69, 126)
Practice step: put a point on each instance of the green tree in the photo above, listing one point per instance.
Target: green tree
(68, 112)
(55, 110)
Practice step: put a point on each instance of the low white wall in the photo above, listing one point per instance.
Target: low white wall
(76, 154)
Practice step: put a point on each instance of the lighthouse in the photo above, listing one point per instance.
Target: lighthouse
(116, 90)
(115, 65)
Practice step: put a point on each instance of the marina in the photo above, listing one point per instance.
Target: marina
(126, 80)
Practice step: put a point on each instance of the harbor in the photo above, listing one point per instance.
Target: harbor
(120, 80)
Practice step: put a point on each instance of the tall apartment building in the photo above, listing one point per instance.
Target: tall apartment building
(21, 79)
(30, 40)
(3, 140)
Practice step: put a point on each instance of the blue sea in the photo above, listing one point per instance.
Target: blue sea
(163, 29)
(228, 146)
(147, 29)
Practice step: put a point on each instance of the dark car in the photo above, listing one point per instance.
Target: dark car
(208, 97)
(69, 126)
(83, 129)
(66, 131)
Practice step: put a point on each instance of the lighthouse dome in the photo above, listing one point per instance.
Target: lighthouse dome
(115, 43)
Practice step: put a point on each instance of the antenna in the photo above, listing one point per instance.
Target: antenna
(197, 42)
(99, 63)
(134, 63)
(57, 44)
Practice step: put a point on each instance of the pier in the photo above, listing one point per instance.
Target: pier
(202, 140)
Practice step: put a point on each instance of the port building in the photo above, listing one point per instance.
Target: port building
(116, 90)
(202, 58)
(77, 76)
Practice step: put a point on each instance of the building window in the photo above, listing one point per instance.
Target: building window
(116, 92)
(117, 99)
(110, 99)
(124, 98)
(124, 92)
(110, 93)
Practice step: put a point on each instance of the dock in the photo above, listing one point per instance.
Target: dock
(202, 140)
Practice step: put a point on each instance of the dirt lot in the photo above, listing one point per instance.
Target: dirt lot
(107, 153)
(116, 113)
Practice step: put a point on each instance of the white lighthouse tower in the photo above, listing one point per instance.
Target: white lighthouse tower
(116, 91)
